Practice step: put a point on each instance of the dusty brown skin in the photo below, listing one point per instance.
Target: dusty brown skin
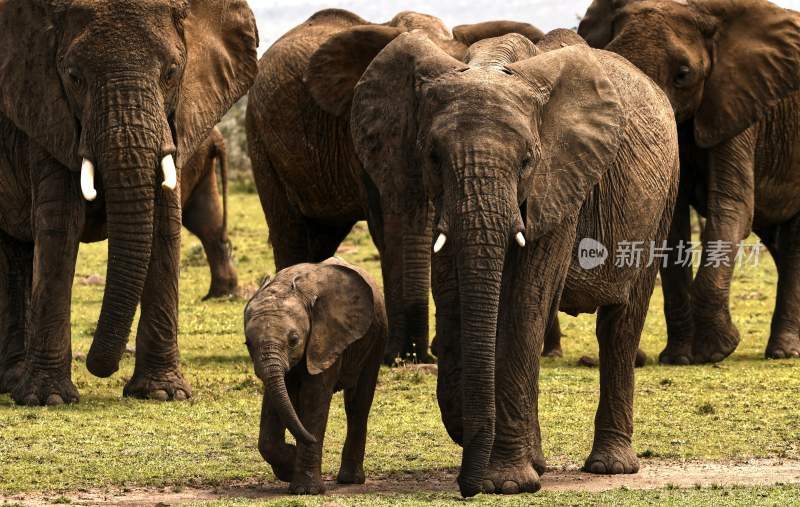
(123, 84)
(313, 330)
(311, 183)
(553, 145)
(205, 211)
(731, 70)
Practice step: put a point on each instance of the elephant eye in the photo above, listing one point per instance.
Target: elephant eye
(72, 72)
(293, 339)
(683, 76)
(171, 74)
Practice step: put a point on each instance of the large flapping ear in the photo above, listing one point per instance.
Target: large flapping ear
(31, 92)
(222, 63)
(597, 25)
(342, 313)
(384, 117)
(470, 34)
(580, 129)
(337, 65)
(756, 63)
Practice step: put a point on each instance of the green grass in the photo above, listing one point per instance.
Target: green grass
(746, 407)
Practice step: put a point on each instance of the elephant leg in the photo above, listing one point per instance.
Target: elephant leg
(532, 283)
(272, 442)
(730, 216)
(314, 402)
(676, 282)
(357, 404)
(157, 373)
(619, 329)
(16, 273)
(444, 283)
(58, 218)
(552, 339)
(203, 216)
(784, 338)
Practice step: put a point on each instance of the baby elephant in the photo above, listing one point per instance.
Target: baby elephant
(312, 330)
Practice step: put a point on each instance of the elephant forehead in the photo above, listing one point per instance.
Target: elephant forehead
(485, 93)
(432, 25)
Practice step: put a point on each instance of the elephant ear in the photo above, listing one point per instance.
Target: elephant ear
(337, 65)
(31, 93)
(342, 313)
(756, 63)
(384, 121)
(580, 128)
(222, 63)
(597, 25)
(470, 34)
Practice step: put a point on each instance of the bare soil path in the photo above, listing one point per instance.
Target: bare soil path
(652, 476)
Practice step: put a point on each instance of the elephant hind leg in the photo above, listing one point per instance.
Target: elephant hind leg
(552, 339)
(16, 274)
(619, 329)
(784, 338)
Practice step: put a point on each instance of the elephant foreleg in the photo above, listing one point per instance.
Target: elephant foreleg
(730, 216)
(314, 400)
(157, 373)
(784, 338)
(16, 272)
(272, 443)
(58, 219)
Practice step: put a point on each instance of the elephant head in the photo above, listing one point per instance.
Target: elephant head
(310, 313)
(126, 87)
(507, 146)
(722, 63)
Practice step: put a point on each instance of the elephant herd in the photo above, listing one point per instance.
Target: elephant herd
(483, 158)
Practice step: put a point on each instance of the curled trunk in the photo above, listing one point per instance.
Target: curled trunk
(127, 149)
(275, 389)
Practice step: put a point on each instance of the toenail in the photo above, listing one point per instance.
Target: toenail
(510, 488)
(717, 357)
(55, 399)
(487, 486)
(597, 467)
(617, 468)
(682, 361)
(180, 395)
(159, 394)
(32, 400)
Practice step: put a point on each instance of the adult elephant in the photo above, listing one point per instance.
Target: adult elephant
(523, 149)
(731, 69)
(99, 103)
(312, 186)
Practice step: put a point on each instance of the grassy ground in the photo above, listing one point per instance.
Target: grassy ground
(743, 408)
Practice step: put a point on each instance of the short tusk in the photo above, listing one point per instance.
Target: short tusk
(87, 180)
(440, 241)
(170, 173)
(520, 239)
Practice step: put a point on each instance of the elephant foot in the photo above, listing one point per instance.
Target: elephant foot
(307, 483)
(783, 346)
(11, 376)
(351, 474)
(506, 480)
(641, 359)
(612, 459)
(425, 359)
(679, 354)
(553, 352)
(714, 344)
(539, 463)
(44, 387)
(222, 289)
(163, 386)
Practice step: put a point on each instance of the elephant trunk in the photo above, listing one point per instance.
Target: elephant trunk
(273, 375)
(127, 150)
(481, 231)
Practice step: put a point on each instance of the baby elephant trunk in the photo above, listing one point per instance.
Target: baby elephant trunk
(275, 387)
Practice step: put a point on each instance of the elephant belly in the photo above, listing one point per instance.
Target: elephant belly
(777, 165)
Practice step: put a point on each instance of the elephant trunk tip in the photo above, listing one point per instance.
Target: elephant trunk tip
(102, 361)
(468, 487)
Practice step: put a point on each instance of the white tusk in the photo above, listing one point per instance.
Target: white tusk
(87, 180)
(170, 173)
(520, 239)
(440, 241)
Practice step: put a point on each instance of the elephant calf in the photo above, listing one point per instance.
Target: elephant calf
(312, 330)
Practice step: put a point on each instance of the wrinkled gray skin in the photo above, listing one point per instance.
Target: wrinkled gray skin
(122, 83)
(311, 331)
(557, 145)
(311, 183)
(731, 69)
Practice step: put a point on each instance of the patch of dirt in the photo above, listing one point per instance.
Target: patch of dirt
(651, 476)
